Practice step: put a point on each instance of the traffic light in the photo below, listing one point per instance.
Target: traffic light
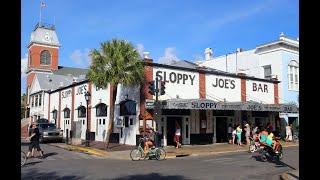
(162, 89)
(151, 87)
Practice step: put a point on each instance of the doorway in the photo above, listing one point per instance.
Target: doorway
(171, 128)
(222, 128)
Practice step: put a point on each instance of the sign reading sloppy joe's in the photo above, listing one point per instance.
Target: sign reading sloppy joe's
(173, 77)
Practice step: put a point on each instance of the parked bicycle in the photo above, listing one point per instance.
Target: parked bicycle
(155, 152)
(23, 158)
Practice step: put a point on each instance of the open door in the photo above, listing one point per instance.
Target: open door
(186, 130)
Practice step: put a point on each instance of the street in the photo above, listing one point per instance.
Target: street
(64, 164)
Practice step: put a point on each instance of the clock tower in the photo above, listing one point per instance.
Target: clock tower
(43, 51)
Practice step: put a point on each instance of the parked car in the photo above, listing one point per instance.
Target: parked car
(49, 131)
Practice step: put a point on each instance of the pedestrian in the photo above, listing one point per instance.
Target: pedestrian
(288, 133)
(234, 134)
(34, 142)
(247, 133)
(177, 136)
(254, 132)
(230, 129)
(239, 131)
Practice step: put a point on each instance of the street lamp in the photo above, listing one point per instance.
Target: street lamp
(87, 96)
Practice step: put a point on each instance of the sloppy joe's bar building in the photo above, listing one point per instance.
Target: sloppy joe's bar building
(202, 100)
(205, 101)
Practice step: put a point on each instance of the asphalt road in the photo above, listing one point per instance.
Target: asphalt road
(63, 164)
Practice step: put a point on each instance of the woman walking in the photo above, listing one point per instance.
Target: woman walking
(239, 132)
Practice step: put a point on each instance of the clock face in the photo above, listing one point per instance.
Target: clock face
(47, 37)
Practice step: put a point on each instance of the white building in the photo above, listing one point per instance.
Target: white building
(277, 59)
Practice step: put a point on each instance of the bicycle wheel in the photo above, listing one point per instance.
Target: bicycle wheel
(160, 154)
(136, 154)
(23, 158)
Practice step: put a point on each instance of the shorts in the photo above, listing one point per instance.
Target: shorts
(176, 138)
(34, 144)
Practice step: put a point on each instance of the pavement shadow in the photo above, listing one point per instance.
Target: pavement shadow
(33, 174)
(278, 163)
(49, 154)
(31, 163)
(153, 176)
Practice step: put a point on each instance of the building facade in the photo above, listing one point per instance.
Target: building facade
(278, 59)
(204, 101)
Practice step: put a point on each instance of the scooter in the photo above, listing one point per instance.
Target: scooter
(268, 152)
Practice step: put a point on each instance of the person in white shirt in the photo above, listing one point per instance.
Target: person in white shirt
(177, 135)
(234, 133)
(288, 133)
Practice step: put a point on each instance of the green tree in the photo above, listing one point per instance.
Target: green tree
(116, 62)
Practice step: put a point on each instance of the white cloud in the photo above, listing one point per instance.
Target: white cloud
(169, 55)
(24, 63)
(81, 57)
(140, 49)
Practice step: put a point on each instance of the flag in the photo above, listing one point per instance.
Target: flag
(43, 4)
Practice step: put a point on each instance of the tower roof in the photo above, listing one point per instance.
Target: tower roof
(44, 34)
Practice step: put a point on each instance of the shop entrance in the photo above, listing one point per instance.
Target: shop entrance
(222, 129)
(171, 128)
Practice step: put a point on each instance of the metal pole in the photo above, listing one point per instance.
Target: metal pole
(226, 63)
(236, 61)
(87, 130)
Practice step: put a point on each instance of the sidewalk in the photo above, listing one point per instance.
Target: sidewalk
(119, 151)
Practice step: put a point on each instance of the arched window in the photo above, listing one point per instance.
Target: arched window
(101, 110)
(66, 113)
(293, 75)
(81, 111)
(127, 108)
(45, 57)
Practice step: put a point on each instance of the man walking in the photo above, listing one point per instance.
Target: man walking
(34, 142)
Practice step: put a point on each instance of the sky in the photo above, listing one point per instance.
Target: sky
(167, 29)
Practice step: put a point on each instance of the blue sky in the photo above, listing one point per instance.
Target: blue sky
(168, 29)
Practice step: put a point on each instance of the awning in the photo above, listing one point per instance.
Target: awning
(210, 104)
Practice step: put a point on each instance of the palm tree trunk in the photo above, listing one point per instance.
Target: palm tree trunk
(113, 89)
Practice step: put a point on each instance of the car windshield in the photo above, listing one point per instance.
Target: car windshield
(47, 126)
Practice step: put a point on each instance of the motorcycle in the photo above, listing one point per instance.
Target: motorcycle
(268, 152)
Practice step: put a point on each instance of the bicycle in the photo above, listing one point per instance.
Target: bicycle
(23, 158)
(155, 152)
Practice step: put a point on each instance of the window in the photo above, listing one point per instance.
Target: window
(127, 108)
(267, 72)
(32, 100)
(293, 75)
(66, 113)
(126, 121)
(81, 111)
(83, 121)
(101, 110)
(104, 121)
(99, 121)
(30, 58)
(36, 101)
(40, 97)
(131, 121)
(45, 58)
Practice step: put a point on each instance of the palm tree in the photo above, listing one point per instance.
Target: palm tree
(117, 62)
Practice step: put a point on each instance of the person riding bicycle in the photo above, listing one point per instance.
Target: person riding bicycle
(149, 140)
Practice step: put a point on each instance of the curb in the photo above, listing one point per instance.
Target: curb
(83, 149)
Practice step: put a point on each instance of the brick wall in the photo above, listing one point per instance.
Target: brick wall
(202, 85)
